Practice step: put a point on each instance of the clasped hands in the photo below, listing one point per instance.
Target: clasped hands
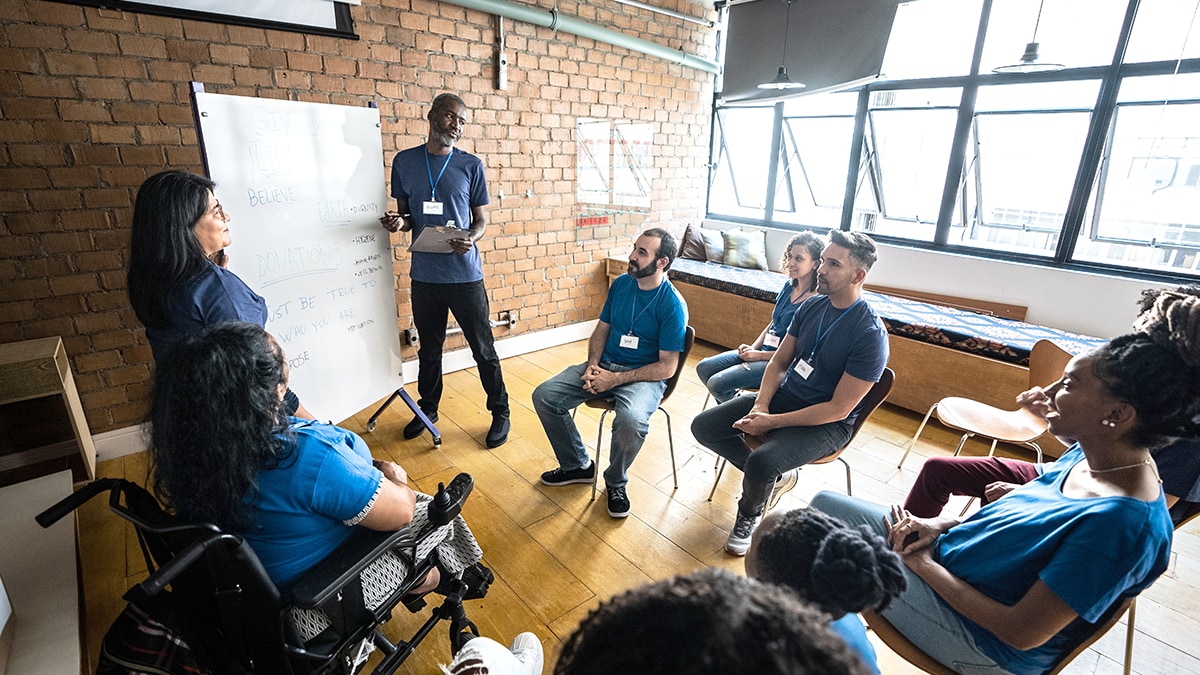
(913, 537)
(597, 380)
(756, 422)
(747, 354)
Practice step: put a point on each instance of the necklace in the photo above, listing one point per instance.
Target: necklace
(1144, 462)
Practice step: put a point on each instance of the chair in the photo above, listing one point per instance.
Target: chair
(608, 404)
(897, 642)
(236, 620)
(1046, 363)
(874, 398)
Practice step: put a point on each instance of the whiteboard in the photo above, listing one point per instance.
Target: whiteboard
(304, 185)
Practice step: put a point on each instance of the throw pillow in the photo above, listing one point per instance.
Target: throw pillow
(692, 246)
(714, 245)
(745, 249)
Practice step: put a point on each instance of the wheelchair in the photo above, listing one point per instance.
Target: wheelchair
(234, 619)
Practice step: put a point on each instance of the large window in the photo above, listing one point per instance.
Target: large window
(1096, 165)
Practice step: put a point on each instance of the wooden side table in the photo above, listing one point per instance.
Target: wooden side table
(42, 426)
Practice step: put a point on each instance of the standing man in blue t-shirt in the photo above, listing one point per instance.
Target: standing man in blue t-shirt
(436, 184)
(631, 354)
(835, 349)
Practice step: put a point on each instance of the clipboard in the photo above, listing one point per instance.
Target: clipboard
(436, 239)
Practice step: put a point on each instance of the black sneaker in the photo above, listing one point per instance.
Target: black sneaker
(416, 427)
(618, 502)
(739, 537)
(559, 476)
(497, 435)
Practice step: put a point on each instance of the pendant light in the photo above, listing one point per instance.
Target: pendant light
(1029, 60)
(782, 81)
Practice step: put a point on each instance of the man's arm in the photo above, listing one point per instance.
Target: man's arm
(850, 390)
(772, 379)
(599, 380)
(474, 234)
(596, 343)
(399, 220)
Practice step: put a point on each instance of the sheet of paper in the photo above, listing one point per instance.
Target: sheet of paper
(436, 239)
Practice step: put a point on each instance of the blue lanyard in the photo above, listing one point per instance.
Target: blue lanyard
(433, 183)
(822, 334)
(633, 319)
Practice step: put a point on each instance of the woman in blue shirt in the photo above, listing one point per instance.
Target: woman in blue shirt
(178, 282)
(742, 368)
(1015, 586)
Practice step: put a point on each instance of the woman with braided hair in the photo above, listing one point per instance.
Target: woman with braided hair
(842, 570)
(1018, 584)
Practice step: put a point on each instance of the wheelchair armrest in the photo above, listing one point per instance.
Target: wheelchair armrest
(342, 566)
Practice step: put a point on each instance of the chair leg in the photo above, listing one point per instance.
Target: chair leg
(961, 442)
(720, 470)
(849, 490)
(917, 435)
(1130, 631)
(1036, 448)
(671, 445)
(992, 452)
(596, 464)
(970, 501)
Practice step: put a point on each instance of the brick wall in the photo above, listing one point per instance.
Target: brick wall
(94, 101)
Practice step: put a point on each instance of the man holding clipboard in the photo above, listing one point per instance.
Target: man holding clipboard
(439, 189)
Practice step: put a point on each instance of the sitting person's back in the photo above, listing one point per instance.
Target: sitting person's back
(841, 569)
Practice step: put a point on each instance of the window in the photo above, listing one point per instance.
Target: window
(740, 162)
(814, 155)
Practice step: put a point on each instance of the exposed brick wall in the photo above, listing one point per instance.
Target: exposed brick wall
(94, 101)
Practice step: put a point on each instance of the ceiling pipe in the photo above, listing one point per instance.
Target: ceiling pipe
(555, 20)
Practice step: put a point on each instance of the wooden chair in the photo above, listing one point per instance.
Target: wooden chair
(1046, 363)
(895, 640)
(875, 396)
(608, 404)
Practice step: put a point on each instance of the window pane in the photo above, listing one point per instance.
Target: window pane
(741, 158)
(910, 149)
(1147, 210)
(1160, 30)
(1075, 33)
(1019, 180)
(932, 38)
(816, 144)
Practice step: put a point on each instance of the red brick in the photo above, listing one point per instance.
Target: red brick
(94, 111)
(122, 67)
(96, 322)
(93, 42)
(143, 46)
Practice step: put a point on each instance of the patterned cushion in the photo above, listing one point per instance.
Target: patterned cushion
(747, 249)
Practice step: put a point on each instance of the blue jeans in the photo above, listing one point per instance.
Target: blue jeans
(919, 613)
(725, 373)
(431, 304)
(783, 450)
(555, 398)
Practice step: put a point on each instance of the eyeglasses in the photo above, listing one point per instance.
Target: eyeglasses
(219, 212)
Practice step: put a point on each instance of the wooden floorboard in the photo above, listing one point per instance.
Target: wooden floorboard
(556, 554)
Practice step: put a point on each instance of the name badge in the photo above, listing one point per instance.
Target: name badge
(803, 368)
(629, 341)
(771, 340)
(431, 208)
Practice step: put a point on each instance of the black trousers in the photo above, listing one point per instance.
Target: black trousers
(431, 304)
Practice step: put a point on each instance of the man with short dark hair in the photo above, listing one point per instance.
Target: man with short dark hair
(436, 184)
(634, 349)
(835, 349)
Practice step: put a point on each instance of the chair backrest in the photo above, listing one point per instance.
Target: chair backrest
(1046, 363)
(874, 398)
(689, 339)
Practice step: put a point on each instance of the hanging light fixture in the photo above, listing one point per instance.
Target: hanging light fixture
(1029, 60)
(782, 81)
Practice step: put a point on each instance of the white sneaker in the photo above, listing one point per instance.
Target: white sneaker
(783, 485)
(528, 650)
(739, 537)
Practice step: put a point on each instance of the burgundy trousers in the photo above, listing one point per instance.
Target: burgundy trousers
(941, 477)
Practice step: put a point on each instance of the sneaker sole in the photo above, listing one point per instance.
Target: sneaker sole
(570, 481)
(736, 552)
(617, 514)
(790, 479)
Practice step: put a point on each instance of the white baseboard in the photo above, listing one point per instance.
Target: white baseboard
(128, 440)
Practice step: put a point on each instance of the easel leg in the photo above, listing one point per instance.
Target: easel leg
(412, 405)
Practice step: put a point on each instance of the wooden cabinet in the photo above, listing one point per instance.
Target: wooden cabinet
(42, 426)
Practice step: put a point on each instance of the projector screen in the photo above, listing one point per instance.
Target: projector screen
(831, 44)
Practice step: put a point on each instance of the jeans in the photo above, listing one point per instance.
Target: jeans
(555, 398)
(941, 477)
(725, 373)
(783, 449)
(469, 302)
(919, 613)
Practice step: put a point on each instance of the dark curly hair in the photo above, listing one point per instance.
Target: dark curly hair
(815, 246)
(163, 250)
(1156, 368)
(216, 420)
(840, 568)
(712, 621)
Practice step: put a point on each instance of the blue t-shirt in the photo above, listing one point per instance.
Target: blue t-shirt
(461, 186)
(214, 296)
(658, 318)
(299, 507)
(834, 342)
(851, 629)
(1090, 552)
(781, 316)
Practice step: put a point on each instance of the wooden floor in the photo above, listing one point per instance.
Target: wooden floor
(556, 554)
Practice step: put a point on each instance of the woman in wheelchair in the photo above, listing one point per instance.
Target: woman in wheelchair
(1014, 587)
(225, 453)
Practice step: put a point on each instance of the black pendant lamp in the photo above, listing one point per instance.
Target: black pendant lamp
(1029, 62)
(782, 81)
